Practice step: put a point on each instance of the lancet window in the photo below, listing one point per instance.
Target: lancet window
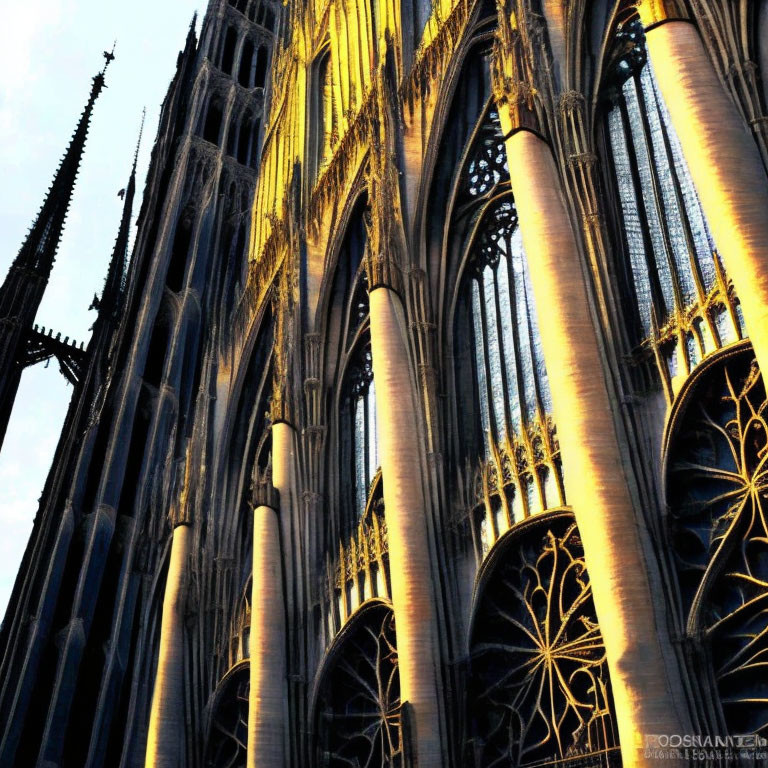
(263, 14)
(349, 355)
(324, 118)
(246, 70)
(227, 56)
(359, 459)
(260, 67)
(500, 365)
(211, 129)
(675, 277)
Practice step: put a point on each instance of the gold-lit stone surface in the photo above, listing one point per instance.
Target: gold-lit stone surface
(410, 569)
(724, 163)
(595, 480)
(267, 698)
(166, 720)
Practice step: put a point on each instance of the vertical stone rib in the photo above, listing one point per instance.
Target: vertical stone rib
(284, 444)
(405, 510)
(166, 718)
(267, 699)
(725, 165)
(595, 481)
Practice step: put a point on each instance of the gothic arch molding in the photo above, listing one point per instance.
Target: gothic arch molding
(358, 714)
(533, 618)
(227, 720)
(479, 32)
(357, 197)
(716, 490)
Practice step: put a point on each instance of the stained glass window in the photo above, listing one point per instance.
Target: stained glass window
(718, 527)
(539, 692)
(359, 712)
(359, 448)
(509, 365)
(668, 243)
(501, 377)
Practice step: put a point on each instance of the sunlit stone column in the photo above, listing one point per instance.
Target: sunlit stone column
(405, 512)
(596, 485)
(267, 704)
(722, 156)
(284, 462)
(166, 719)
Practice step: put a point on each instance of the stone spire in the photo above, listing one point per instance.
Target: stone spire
(114, 285)
(39, 249)
(23, 289)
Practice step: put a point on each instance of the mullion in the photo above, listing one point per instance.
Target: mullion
(531, 343)
(502, 355)
(658, 195)
(657, 293)
(698, 278)
(520, 377)
(486, 360)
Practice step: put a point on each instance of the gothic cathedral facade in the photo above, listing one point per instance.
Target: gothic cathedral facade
(423, 426)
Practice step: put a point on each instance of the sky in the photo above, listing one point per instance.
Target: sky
(49, 52)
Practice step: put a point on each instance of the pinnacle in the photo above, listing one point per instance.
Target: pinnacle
(39, 248)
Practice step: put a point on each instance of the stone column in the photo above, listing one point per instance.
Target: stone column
(267, 702)
(283, 462)
(405, 512)
(722, 156)
(596, 485)
(166, 719)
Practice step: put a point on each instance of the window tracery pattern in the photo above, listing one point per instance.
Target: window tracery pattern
(228, 735)
(496, 334)
(539, 691)
(358, 713)
(717, 481)
(686, 308)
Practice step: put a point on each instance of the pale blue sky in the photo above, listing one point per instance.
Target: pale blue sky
(49, 51)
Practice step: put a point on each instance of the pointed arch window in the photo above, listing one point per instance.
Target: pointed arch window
(539, 691)
(510, 374)
(358, 715)
(324, 118)
(717, 528)
(359, 460)
(260, 67)
(673, 269)
(503, 392)
(228, 50)
(348, 357)
(247, 66)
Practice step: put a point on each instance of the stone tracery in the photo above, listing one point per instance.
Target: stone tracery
(717, 484)
(539, 689)
(373, 161)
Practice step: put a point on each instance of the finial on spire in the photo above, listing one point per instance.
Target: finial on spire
(98, 81)
(38, 251)
(109, 57)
